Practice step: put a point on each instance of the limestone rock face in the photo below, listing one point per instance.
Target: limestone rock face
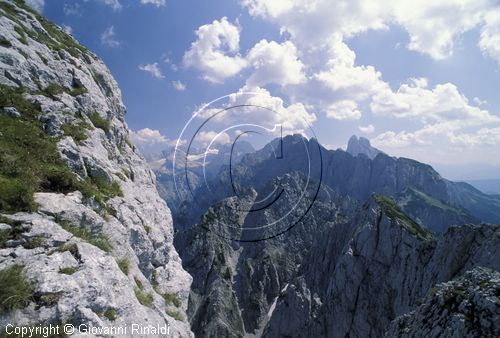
(134, 228)
(361, 145)
(467, 306)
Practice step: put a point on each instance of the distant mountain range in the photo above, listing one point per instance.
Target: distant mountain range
(491, 186)
(379, 236)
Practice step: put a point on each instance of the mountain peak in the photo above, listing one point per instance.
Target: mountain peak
(361, 145)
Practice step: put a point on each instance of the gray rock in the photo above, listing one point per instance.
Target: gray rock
(137, 225)
(357, 146)
(11, 111)
(467, 306)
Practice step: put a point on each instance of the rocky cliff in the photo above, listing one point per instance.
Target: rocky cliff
(85, 237)
(350, 267)
(361, 145)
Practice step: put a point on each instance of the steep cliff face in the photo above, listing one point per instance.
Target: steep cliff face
(383, 271)
(467, 306)
(95, 241)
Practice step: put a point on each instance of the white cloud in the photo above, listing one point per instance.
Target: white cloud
(156, 3)
(266, 111)
(148, 136)
(275, 63)
(430, 105)
(343, 110)
(36, 4)
(490, 35)
(205, 137)
(152, 69)
(114, 4)
(108, 38)
(67, 29)
(433, 25)
(216, 51)
(178, 85)
(367, 129)
(151, 141)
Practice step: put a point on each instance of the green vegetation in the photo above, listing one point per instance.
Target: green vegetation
(138, 283)
(435, 202)
(393, 211)
(124, 265)
(52, 90)
(68, 270)
(171, 299)
(110, 314)
(35, 242)
(99, 122)
(76, 131)
(29, 160)
(4, 42)
(16, 291)
(78, 91)
(143, 297)
(99, 241)
(22, 35)
(174, 314)
(71, 248)
(53, 37)
(58, 39)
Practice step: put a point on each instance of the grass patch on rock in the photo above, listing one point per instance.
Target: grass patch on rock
(393, 211)
(143, 297)
(69, 270)
(124, 265)
(16, 289)
(99, 122)
(97, 240)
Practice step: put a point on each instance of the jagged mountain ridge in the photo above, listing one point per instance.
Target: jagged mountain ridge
(296, 277)
(420, 191)
(93, 237)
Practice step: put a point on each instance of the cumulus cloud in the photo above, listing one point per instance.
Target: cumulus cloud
(264, 110)
(367, 129)
(157, 3)
(490, 35)
(108, 38)
(153, 69)
(151, 141)
(433, 26)
(343, 110)
(444, 102)
(275, 63)
(216, 51)
(207, 137)
(178, 85)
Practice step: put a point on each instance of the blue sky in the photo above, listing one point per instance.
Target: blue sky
(419, 80)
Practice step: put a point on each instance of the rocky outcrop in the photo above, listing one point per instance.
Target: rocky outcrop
(103, 253)
(468, 306)
(383, 271)
(361, 145)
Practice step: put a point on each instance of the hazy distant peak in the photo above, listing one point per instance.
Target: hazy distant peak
(361, 145)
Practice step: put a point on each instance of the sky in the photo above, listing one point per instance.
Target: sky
(420, 79)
